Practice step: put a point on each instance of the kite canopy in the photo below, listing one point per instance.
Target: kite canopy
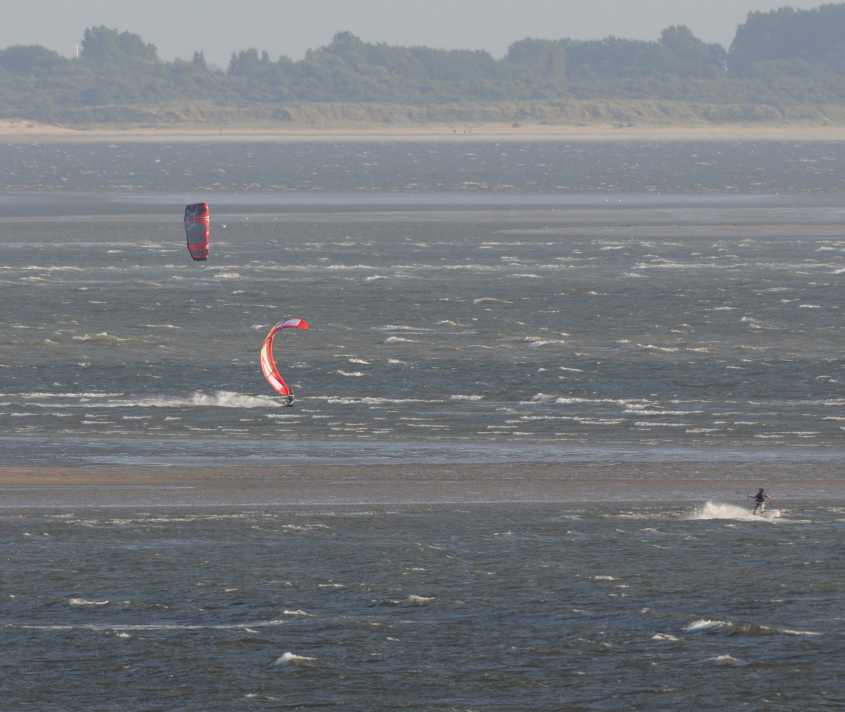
(268, 363)
(198, 230)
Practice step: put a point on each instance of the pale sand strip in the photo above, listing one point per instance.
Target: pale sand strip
(27, 486)
(32, 132)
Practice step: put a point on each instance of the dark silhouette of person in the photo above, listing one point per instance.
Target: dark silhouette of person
(760, 501)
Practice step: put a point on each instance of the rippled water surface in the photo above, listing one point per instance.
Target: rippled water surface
(430, 608)
(684, 325)
(529, 369)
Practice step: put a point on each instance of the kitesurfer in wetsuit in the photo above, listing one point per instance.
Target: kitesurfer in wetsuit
(760, 501)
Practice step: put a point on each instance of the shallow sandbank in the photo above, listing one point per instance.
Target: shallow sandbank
(33, 132)
(26, 486)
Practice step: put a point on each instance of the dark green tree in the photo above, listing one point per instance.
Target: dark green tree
(690, 56)
(103, 45)
(815, 36)
(30, 59)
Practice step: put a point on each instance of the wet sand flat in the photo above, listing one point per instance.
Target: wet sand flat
(412, 484)
(26, 131)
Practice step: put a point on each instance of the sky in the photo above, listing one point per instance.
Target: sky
(290, 27)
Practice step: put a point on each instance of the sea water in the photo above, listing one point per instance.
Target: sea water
(540, 384)
(468, 607)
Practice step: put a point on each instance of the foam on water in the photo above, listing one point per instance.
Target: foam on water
(708, 625)
(84, 603)
(197, 399)
(537, 341)
(704, 624)
(145, 626)
(491, 300)
(292, 659)
(218, 399)
(727, 660)
(665, 637)
(402, 327)
(420, 600)
(371, 400)
(715, 510)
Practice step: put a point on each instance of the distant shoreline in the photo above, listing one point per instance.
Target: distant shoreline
(23, 131)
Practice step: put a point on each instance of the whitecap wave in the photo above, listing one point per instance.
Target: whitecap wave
(292, 659)
(665, 637)
(370, 400)
(85, 603)
(662, 349)
(536, 342)
(728, 660)
(716, 510)
(420, 600)
(102, 337)
(144, 626)
(708, 625)
(491, 300)
(705, 624)
(402, 327)
(627, 403)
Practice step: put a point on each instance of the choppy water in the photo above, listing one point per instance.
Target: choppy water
(669, 322)
(428, 608)
(650, 311)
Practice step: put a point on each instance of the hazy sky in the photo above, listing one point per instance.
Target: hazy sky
(178, 27)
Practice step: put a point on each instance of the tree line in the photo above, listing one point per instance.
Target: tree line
(782, 56)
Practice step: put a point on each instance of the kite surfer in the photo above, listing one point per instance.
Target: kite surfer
(198, 230)
(760, 500)
(267, 361)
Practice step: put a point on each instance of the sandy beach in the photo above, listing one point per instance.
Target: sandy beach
(23, 131)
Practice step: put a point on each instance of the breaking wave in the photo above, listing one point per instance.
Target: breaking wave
(292, 659)
(707, 625)
(102, 337)
(84, 603)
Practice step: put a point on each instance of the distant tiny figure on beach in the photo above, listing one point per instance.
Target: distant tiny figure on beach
(760, 500)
